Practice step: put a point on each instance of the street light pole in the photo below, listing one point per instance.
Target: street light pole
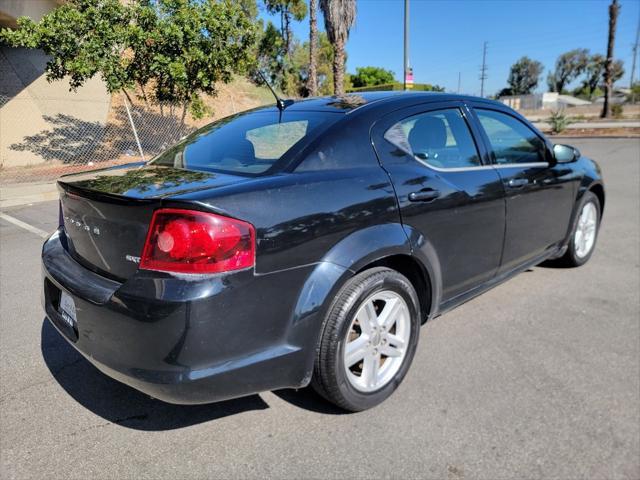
(406, 42)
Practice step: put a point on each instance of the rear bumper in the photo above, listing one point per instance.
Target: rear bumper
(185, 340)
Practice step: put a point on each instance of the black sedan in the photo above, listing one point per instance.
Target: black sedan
(306, 244)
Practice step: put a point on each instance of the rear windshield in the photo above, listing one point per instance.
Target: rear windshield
(245, 144)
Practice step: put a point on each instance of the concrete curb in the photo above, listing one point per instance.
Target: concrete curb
(25, 193)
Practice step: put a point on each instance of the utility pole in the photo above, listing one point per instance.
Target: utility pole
(635, 56)
(614, 9)
(408, 74)
(458, 82)
(483, 69)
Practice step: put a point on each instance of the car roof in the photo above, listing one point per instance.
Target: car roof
(360, 100)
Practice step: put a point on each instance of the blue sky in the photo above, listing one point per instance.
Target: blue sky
(447, 36)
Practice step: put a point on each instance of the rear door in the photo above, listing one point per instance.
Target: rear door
(539, 194)
(445, 189)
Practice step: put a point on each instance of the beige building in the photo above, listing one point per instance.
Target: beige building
(11, 10)
(33, 112)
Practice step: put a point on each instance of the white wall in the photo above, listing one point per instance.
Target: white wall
(28, 103)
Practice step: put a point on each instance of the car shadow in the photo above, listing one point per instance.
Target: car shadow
(121, 404)
(308, 399)
(555, 263)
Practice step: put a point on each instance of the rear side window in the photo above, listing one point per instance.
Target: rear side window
(440, 139)
(511, 140)
(246, 144)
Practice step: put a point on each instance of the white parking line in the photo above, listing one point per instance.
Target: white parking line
(26, 226)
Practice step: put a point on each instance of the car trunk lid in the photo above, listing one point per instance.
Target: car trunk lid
(106, 213)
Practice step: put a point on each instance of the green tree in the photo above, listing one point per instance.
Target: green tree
(524, 75)
(288, 10)
(425, 87)
(339, 16)
(324, 66)
(371, 76)
(177, 48)
(250, 8)
(568, 67)
(593, 74)
(593, 83)
(84, 38)
(195, 45)
(635, 92)
(271, 54)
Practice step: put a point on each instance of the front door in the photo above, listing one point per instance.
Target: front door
(539, 194)
(445, 190)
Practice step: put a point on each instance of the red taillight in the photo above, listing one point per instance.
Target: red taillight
(188, 241)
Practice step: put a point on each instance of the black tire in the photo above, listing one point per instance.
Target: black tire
(329, 376)
(571, 257)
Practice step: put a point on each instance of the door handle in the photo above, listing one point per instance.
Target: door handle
(426, 195)
(517, 182)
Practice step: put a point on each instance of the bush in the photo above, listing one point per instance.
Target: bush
(371, 76)
(559, 121)
(396, 86)
(617, 110)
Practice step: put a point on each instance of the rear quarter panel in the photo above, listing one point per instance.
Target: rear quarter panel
(333, 188)
(309, 227)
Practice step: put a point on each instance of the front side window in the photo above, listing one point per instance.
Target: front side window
(511, 140)
(247, 144)
(440, 139)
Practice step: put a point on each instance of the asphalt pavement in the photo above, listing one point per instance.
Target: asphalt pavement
(537, 378)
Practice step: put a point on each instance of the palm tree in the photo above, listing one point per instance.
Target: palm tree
(614, 9)
(312, 84)
(339, 16)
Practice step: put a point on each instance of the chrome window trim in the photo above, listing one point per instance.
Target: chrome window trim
(526, 165)
(483, 167)
(453, 169)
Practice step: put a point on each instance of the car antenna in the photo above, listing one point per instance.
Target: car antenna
(280, 103)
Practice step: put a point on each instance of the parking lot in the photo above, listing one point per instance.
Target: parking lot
(538, 378)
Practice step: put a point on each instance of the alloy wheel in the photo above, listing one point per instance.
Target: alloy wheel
(377, 340)
(585, 235)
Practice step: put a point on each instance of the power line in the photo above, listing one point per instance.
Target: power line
(483, 69)
(523, 42)
(518, 45)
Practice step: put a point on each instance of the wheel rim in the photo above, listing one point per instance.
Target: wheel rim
(377, 341)
(585, 235)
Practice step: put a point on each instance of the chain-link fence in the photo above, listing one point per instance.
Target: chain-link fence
(46, 131)
(69, 144)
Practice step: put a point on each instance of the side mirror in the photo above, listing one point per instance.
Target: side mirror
(565, 153)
